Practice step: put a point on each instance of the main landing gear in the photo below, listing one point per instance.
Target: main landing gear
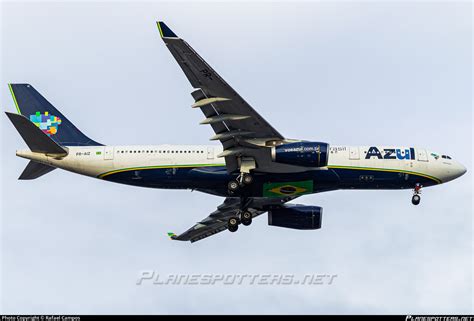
(241, 180)
(243, 216)
(415, 200)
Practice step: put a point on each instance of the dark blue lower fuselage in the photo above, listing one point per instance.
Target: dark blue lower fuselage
(214, 180)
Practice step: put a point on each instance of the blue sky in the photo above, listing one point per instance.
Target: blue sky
(393, 73)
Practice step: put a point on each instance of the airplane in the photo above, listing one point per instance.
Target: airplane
(255, 168)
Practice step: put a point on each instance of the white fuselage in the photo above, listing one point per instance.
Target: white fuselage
(99, 161)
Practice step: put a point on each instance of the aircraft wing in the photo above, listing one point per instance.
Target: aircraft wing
(233, 120)
(217, 221)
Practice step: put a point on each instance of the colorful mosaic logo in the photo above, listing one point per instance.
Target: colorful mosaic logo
(47, 123)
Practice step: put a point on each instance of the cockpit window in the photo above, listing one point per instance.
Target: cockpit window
(445, 157)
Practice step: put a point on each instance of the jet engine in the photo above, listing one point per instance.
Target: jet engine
(308, 154)
(300, 217)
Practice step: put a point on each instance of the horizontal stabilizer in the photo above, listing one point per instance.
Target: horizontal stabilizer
(34, 137)
(34, 170)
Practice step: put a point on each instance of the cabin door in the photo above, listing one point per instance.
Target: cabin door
(354, 152)
(422, 156)
(210, 153)
(108, 153)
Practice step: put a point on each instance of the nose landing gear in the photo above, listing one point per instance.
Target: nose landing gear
(415, 200)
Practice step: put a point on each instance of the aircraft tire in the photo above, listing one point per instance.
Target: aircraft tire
(247, 179)
(233, 224)
(233, 186)
(246, 218)
(415, 200)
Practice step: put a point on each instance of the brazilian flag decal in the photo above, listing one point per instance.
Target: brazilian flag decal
(287, 188)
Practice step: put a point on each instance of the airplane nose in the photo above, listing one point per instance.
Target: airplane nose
(460, 170)
(453, 171)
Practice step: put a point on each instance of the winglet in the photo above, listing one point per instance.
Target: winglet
(165, 31)
(171, 235)
(14, 98)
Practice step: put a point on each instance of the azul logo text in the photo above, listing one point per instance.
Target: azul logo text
(391, 153)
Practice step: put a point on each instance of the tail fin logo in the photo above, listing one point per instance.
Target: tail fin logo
(47, 123)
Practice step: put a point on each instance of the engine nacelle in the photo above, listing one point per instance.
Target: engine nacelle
(308, 154)
(299, 217)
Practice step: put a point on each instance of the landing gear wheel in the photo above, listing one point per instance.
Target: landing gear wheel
(233, 186)
(415, 200)
(247, 179)
(233, 224)
(246, 218)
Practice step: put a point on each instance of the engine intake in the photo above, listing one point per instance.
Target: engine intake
(299, 217)
(309, 154)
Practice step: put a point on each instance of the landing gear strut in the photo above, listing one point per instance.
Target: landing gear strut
(245, 165)
(415, 200)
